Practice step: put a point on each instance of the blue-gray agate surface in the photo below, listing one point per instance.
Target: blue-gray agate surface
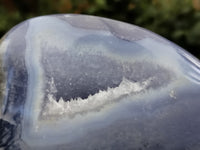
(76, 82)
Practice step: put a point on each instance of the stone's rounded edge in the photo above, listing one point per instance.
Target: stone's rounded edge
(11, 127)
(6, 53)
(192, 67)
(122, 30)
(13, 28)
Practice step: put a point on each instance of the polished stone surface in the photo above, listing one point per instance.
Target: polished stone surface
(77, 82)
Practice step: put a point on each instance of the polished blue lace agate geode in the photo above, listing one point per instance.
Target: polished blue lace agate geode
(77, 82)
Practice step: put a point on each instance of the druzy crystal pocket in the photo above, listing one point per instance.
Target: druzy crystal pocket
(82, 82)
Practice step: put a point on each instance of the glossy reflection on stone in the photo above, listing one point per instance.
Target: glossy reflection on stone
(82, 82)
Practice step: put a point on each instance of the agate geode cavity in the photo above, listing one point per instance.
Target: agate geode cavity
(76, 82)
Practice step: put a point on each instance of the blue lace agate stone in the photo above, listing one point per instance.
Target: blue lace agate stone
(77, 82)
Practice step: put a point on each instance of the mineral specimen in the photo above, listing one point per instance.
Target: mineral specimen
(77, 82)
